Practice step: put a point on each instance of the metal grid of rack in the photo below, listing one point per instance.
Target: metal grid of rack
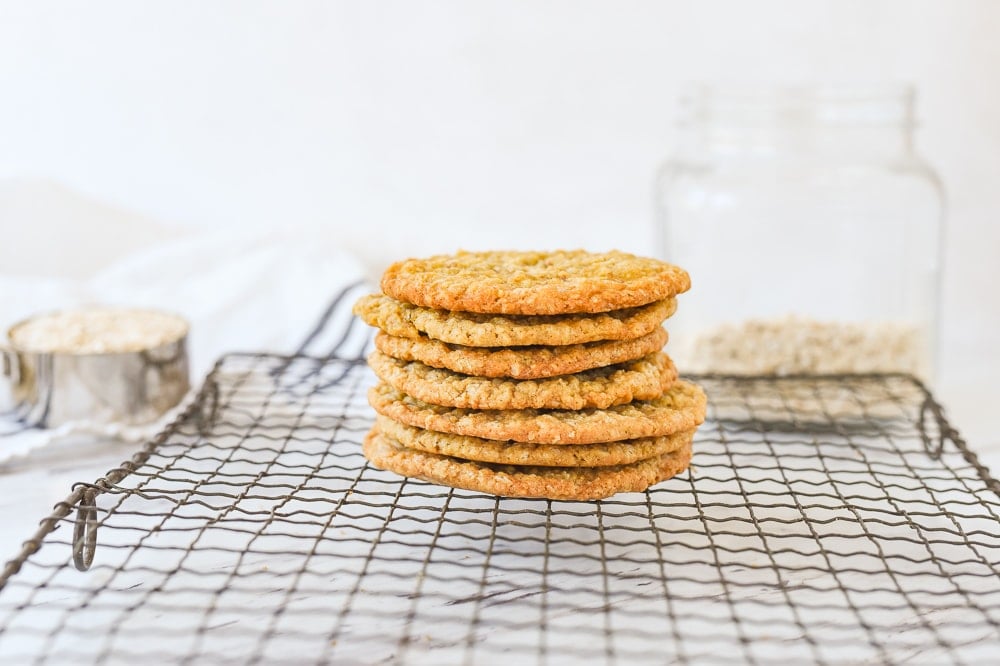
(824, 520)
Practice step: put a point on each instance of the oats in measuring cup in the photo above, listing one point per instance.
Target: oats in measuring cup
(98, 331)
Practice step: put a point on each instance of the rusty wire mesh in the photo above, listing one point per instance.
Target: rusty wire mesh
(825, 520)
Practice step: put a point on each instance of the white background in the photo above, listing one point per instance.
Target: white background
(407, 128)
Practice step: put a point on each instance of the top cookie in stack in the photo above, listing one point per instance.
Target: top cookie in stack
(530, 374)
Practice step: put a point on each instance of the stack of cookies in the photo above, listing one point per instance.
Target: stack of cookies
(529, 374)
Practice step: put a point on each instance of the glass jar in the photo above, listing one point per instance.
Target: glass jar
(811, 230)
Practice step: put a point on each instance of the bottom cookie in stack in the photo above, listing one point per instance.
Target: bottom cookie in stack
(556, 454)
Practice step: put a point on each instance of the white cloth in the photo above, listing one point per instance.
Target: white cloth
(256, 293)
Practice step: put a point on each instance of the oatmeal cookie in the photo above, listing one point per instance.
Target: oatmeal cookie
(541, 455)
(681, 407)
(479, 330)
(534, 283)
(643, 379)
(519, 362)
(565, 483)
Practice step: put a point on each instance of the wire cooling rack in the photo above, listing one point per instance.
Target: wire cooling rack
(825, 520)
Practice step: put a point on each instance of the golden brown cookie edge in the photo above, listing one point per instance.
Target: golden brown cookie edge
(578, 484)
(632, 421)
(519, 363)
(437, 282)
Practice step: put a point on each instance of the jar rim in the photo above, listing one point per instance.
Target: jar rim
(831, 105)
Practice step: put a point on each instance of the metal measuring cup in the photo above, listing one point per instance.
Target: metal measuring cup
(134, 387)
